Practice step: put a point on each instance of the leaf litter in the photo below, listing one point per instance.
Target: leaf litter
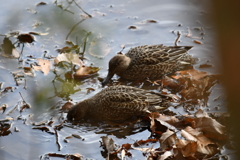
(195, 141)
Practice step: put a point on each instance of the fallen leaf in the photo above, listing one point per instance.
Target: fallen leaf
(85, 71)
(67, 106)
(145, 149)
(41, 34)
(168, 139)
(192, 74)
(210, 127)
(126, 146)
(132, 27)
(142, 142)
(123, 154)
(198, 42)
(25, 38)
(28, 71)
(41, 3)
(9, 50)
(166, 155)
(44, 66)
(194, 135)
(108, 143)
(69, 58)
(205, 66)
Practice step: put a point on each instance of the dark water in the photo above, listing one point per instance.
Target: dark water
(109, 32)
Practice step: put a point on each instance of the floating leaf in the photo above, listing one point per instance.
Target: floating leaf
(44, 66)
(85, 71)
(25, 38)
(67, 106)
(69, 58)
(108, 143)
(9, 49)
(192, 73)
(132, 27)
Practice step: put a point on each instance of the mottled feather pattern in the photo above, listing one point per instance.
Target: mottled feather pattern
(149, 62)
(119, 103)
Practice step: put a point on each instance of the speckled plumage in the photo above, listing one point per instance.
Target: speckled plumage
(118, 103)
(148, 61)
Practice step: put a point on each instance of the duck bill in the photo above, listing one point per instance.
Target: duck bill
(107, 79)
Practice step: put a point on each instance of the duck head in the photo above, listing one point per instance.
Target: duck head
(117, 65)
(77, 112)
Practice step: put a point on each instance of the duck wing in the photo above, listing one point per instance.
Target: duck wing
(128, 99)
(155, 54)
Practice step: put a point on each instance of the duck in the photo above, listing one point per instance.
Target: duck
(148, 62)
(118, 103)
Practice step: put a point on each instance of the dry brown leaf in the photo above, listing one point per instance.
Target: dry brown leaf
(99, 49)
(68, 57)
(168, 139)
(85, 71)
(180, 143)
(190, 149)
(201, 113)
(25, 38)
(166, 155)
(194, 135)
(67, 106)
(210, 127)
(126, 146)
(192, 74)
(198, 42)
(108, 143)
(28, 71)
(167, 121)
(44, 66)
(146, 150)
(9, 50)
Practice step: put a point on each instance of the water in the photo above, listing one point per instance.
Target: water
(109, 29)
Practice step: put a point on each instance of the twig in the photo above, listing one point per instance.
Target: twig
(12, 110)
(22, 97)
(58, 144)
(74, 28)
(178, 36)
(25, 84)
(82, 9)
(21, 52)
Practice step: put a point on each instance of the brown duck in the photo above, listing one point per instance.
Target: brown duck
(148, 61)
(118, 103)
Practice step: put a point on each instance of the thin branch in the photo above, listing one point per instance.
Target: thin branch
(82, 9)
(22, 97)
(74, 28)
(178, 36)
(57, 142)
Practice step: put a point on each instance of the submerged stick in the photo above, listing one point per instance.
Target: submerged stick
(178, 36)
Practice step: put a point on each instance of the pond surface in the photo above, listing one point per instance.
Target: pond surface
(114, 24)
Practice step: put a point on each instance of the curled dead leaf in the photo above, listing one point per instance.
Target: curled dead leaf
(69, 58)
(108, 143)
(85, 71)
